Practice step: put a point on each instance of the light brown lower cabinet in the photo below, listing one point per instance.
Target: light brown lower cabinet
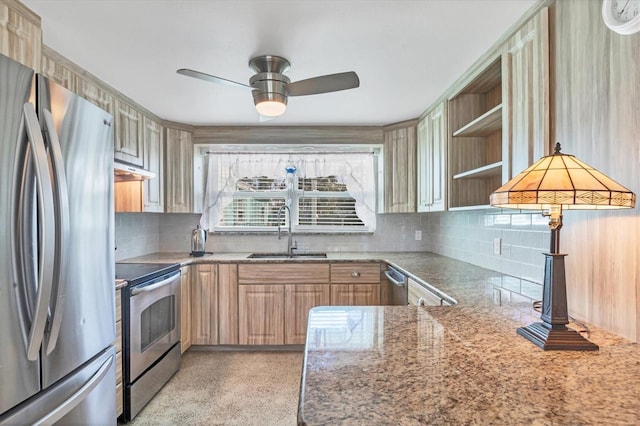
(268, 304)
(275, 314)
(261, 314)
(185, 308)
(355, 294)
(204, 305)
(298, 300)
(118, 345)
(228, 304)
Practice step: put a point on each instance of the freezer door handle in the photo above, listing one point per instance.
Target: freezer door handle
(79, 396)
(47, 232)
(62, 230)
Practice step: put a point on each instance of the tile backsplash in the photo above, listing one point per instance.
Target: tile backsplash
(465, 235)
(136, 234)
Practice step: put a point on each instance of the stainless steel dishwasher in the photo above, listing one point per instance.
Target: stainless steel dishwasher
(398, 280)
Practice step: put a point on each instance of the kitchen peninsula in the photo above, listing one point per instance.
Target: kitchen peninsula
(462, 364)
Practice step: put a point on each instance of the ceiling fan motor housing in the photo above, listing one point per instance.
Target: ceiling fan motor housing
(269, 82)
(269, 86)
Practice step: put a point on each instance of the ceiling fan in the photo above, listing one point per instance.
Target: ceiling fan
(271, 88)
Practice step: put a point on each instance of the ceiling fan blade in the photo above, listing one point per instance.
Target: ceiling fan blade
(265, 118)
(212, 78)
(324, 84)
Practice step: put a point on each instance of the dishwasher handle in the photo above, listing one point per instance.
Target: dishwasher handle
(392, 278)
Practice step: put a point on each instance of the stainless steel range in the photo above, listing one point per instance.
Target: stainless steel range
(151, 330)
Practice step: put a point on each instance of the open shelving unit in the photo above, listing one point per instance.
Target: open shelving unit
(475, 148)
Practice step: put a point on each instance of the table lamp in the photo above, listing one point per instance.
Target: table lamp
(559, 182)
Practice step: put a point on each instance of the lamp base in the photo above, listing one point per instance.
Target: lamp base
(554, 339)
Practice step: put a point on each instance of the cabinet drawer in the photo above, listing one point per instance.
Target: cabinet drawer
(420, 296)
(284, 273)
(355, 273)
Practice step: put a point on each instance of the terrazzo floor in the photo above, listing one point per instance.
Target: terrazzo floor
(229, 388)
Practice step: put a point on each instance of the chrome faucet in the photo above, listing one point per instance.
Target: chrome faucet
(289, 241)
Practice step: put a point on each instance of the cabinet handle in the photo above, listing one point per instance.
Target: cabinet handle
(355, 274)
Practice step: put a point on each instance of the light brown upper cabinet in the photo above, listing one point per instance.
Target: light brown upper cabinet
(55, 68)
(400, 167)
(95, 92)
(128, 133)
(498, 119)
(432, 160)
(475, 147)
(178, 171)
(525, 86)
(153, 156)
(20, 34)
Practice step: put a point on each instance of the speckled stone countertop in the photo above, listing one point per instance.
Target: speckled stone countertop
(464, 364)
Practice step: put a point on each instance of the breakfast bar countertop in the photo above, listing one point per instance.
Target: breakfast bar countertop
(462, 364)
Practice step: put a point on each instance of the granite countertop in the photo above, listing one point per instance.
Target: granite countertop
(465, 364)
(462, 364)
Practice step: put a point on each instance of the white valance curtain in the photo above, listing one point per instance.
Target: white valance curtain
(223, 170)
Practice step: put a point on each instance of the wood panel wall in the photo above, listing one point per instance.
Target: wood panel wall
(596, 92)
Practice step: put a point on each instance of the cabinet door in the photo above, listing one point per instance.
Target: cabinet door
(261, 314)
(128, 134)
(355, 294)
(57, 72)
(204, 305)
(228, 304)
(178, 171)
(153, 150)
(365, 294)
(94, 92)
(298, 300)
(185, 308)
(432, 160)
(400, 170)
(341, 295)
(525, 70)
(20, 34)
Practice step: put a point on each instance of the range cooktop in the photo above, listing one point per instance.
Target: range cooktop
(136, 273)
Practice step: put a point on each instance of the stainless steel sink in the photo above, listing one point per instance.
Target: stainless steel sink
(302, 255)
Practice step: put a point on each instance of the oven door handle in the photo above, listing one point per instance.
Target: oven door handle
(152, 287)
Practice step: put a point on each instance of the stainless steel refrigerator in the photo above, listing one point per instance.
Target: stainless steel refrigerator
(57, 307)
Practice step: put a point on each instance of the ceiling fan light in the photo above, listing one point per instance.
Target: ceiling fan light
(271, 108)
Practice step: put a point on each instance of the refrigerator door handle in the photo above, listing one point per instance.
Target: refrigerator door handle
(79, 396)
(46, 235)
(62, 231)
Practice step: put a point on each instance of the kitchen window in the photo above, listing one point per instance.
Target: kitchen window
(325, 191)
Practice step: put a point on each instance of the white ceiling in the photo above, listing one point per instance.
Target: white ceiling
(406, 52)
